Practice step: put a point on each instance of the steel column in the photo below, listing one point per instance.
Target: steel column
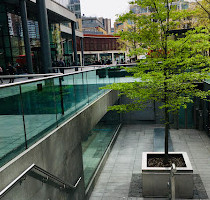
(82, 52)
(73, 26)
(23, 12)
(44, 36)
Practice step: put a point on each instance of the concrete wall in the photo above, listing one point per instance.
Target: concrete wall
(147, 114)
(59, 153)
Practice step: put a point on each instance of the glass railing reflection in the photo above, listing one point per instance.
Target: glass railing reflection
(30, 110)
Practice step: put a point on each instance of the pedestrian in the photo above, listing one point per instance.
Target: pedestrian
(1, 73)
(12, 71)
(17, 68)
(61, 65)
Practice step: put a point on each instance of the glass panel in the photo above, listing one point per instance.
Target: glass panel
(6, 42)
(186, 114)
(182, 118)
(111, 74)
(80, 91)
(65, 97)
(190, 112)
(57, 99)
(92, 85)
(101, 75)
(106, 79)
(8, 52)
(96, 143)
(39, 108)
(45, 104)
(14, 42)
(12, 137)
(85, 83)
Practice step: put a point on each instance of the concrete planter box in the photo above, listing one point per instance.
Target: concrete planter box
(155, 179)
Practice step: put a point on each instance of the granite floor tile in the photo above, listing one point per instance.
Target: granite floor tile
(125, 159)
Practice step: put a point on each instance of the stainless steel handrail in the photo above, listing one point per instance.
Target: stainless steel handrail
(49, 176)
(66, 74)
(14, 182)
(29, 75)
(56, 178)
(47, 78)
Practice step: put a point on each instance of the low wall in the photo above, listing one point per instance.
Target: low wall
(59, 153)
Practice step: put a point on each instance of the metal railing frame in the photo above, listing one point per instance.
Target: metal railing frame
(57, 75)
(46, 177)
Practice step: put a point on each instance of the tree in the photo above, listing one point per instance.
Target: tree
(128, 37)
(173, 67)
(202, 14)
(203, 11)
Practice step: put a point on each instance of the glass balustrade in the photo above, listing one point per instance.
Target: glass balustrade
(96, 142)
(12, 134)
(31, 109)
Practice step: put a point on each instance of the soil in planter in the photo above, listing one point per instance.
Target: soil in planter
(159, 160)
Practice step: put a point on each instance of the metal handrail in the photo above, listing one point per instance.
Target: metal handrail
(48, 176)
(28, 75)
(57, 75)
(47, 78)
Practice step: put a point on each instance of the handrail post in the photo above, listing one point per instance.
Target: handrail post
(172, 188)
(61, 94)
(23, 116)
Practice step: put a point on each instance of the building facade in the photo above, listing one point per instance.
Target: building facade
(25, 29)
(94, 25)
(102, 49)
(136, 9)
(106, 24)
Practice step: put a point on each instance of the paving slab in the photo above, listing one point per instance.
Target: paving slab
(125, 159)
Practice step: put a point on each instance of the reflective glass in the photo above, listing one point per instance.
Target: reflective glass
(92, 85)
(80, 91)
(186, 117)
(106, 78)
(12, 137)
(101, 76)
(39, 108)
(190, 120)
(65, 97)
(43, 105)
(96, 143)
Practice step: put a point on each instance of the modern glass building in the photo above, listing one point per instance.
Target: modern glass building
(24, 34)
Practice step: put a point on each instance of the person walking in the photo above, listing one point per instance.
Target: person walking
(1, 73)
(61, 64)
(11, 70)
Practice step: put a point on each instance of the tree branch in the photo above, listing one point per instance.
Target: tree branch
(208, 12)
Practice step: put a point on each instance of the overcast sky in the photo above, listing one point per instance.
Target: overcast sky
(104, 8)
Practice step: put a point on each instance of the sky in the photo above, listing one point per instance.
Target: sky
(104, 8)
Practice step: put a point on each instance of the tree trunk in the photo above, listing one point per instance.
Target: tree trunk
(166, 133)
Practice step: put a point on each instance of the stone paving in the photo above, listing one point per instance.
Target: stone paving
(125, 159)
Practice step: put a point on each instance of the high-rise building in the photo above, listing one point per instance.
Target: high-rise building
(93, 25)
(180, 5)
(138, 10)
(106, 23)
(74, 6)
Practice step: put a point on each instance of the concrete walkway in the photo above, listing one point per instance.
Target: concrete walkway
(125, 159)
